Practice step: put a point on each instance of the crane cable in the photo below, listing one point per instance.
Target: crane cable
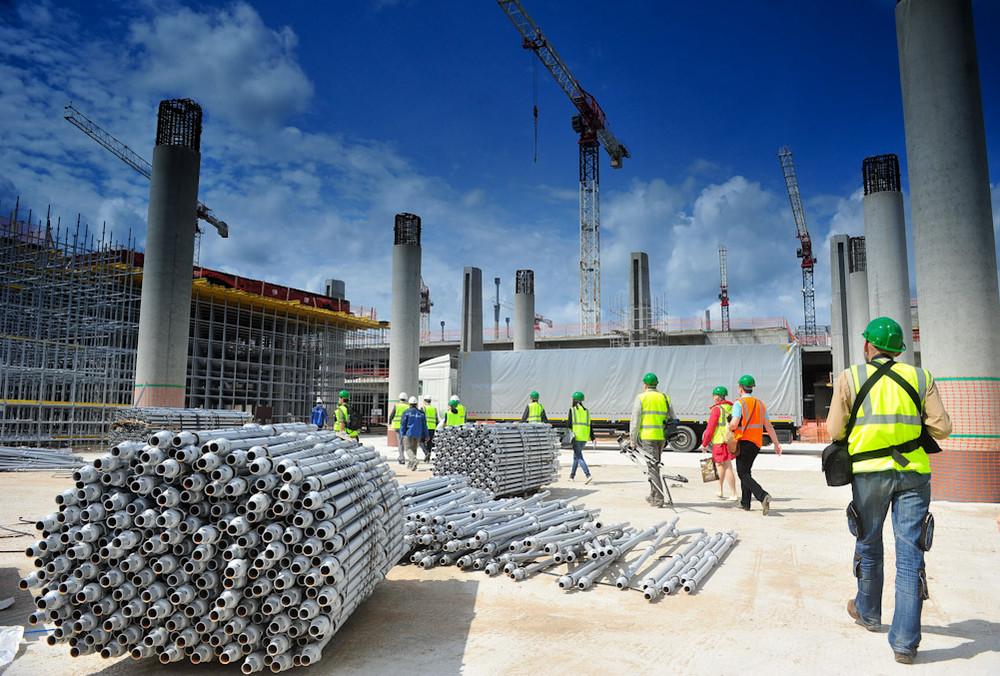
(534, 72)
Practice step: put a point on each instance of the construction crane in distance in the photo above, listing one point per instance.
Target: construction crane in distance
(539, 319)
(723, 289)
(131, 158)
(425, 311)
(805, 242)
(592, 126)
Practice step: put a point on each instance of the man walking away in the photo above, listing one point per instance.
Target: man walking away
(579, 420)
(432, 420)
(455, 415)
(395, 418)
(343, 415)
(534, 411)
(413, 430)
(649, 413)
(748, 425)
(319, 416)
(888, 448)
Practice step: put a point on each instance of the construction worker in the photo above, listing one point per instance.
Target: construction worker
(342, 414)
(888, 449)
(413, 430)
(749, 420)
(583, 431)
(649, 414)
(714, 439)
(430, 413)
(396, 418)
(534, 411)
(455, 415)
(319, 416)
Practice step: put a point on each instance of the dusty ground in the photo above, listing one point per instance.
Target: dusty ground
(775, 605)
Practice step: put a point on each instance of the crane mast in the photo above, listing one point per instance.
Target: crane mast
(723, 288)
(804, 250)
(592, 125)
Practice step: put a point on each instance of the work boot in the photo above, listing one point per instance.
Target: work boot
(654, 500)
(904, 658)
(853, 612)
(766, 505)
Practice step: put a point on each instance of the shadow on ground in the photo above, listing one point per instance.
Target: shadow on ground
(980, 636)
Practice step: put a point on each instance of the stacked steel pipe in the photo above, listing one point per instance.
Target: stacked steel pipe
(252, 543)
(450, 523)
(140, 423)
(18, 459)
(505, 458)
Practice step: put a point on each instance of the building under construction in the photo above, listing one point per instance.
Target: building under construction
(69, 334)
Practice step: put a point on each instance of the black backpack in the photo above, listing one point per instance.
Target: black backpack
(353, 419)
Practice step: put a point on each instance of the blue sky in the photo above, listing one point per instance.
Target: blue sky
(323, 120)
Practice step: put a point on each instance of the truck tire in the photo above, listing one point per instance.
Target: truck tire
(683, 440)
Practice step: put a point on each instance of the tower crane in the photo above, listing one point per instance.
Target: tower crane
(592, 126)
(805, 242)
(425, 311)
(539, 319)
(723, 288)
(131, 158)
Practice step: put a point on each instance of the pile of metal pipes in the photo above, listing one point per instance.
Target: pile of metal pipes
(252, 543)
(505, 458)
(449, 523)
(15, 459)
(140, 423)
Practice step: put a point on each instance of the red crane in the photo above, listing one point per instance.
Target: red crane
(592, 125)
(723, 288)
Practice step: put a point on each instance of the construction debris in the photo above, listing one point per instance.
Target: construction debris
(252, 543)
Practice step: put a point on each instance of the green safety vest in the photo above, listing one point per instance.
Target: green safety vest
(432, 417)
(535, 412)
(580, 420)
(397, 418)
(655, 409)
(719, 436)
(889, 417)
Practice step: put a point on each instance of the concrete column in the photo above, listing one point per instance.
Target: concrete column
(857, 299)
(472, 310)
(839, 313)
(885, 244)
(954, 247)
(404, 317)
(524, 310)
(335, 288)
(639, 302)
(165, 306)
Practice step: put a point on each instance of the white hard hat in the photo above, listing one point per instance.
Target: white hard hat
(427, 397)
(402, 396)
(413, 400)
(319, 400)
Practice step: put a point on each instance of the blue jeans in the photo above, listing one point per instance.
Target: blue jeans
(909, 495)
(578, 459)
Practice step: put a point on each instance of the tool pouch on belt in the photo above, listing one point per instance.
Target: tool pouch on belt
(854, 521)
(927, 532)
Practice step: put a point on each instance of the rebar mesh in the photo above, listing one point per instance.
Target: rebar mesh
(856, 255)
(880, 173)
(524, 281)
(407, 229)
(178, 123)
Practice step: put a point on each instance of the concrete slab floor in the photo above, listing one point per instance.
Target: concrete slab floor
(776, 604)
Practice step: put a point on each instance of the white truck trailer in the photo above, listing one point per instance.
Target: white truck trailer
(495, 385)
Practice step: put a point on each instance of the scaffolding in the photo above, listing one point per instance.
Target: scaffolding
(367, 373)
(68, 333)
(636, 326)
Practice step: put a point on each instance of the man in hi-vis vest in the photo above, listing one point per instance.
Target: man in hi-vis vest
(649, 413)
(891, 469)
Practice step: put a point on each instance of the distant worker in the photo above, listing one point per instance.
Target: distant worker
(646, 430)
(748, 424)
(432, 421)
(319, 416)
(413, 428)
(455, 415)
(891, 470)
(715, 439)
(343, 415)
(534, 411)
(396, 418)
(583, 431)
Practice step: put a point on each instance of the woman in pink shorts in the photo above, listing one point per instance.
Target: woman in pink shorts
(714, 436)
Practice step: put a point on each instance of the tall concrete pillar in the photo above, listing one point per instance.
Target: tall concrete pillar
(885, 244)
(524, 310)
(472, 310)
(404, 317)
(639, 302)
(953, 242)
(165, 306)
(839, 313)
(857, 299)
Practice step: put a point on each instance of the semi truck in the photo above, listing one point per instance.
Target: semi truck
(496, 385)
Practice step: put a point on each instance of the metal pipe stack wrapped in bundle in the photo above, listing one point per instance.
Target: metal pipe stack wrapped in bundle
(253, 543)
(139, 423)
(504, 459)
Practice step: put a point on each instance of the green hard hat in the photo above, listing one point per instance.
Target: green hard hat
(453, 401)
(344, 394)
(650, 379)
(533, 395)
(578, 396)
(885, 334)
(721, 391)
(747, 381)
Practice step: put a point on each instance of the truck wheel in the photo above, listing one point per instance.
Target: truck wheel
(683, 440)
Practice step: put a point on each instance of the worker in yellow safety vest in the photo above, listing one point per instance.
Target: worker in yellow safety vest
(342, 414)
(650, 413)
(395, 419)
(430, 413)
(897, 414)
(534, 412)
(455, 415)
(583, 431)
